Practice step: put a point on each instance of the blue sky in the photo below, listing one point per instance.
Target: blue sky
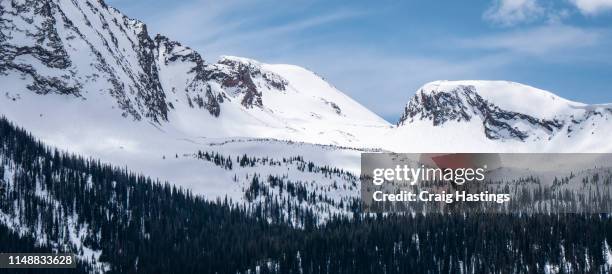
(380, 52)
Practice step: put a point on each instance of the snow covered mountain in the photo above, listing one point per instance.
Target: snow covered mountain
(91, 55)
(499, 116)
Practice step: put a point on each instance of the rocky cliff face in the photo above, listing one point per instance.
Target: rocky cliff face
(241, 76)
(463, 103)
(80, 47)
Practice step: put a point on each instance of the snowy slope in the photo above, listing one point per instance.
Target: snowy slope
(269, 101)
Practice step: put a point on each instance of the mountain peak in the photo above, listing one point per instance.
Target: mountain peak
(508, 95)
(505, 110)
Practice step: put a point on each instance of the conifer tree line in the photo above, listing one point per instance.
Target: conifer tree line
(141, 225)
(252, 161)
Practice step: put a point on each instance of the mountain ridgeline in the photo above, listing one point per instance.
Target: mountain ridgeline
(88, 53)
(119, 55)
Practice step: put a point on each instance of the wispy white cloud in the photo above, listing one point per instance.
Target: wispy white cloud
(243, 27)
(285, 35)
(593, 7)
(539, 41)
(201, 20)
(511, 12)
